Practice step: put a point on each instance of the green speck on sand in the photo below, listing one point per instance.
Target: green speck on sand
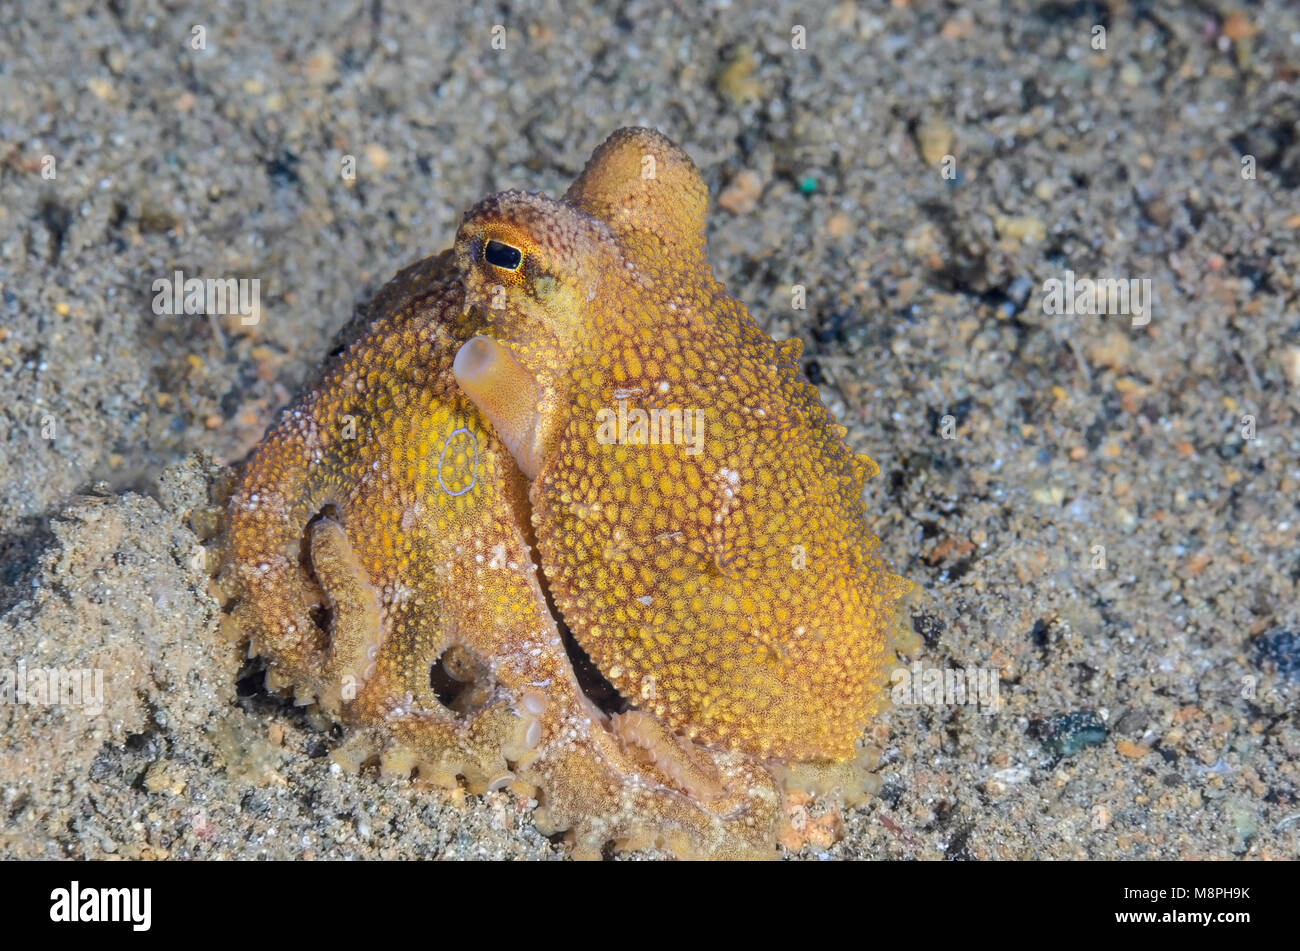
(1068, 733)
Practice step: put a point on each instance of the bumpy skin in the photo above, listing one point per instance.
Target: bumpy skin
(379, 544)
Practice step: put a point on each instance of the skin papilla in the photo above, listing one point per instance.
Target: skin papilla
(568, 405)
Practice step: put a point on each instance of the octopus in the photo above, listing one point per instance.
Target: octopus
(563, 520)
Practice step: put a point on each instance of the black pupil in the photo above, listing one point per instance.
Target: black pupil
(502, 255)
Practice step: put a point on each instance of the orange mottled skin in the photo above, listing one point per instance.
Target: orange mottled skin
(726, 584)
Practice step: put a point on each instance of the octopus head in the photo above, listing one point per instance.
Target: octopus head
(698, 514)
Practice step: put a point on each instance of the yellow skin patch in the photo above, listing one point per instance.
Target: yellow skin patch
(391, 542)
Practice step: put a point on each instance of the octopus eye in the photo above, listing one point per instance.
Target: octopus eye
(503, 256)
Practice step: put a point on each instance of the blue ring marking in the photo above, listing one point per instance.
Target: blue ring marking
(474, 472)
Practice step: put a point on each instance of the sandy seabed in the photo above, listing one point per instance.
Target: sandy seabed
(1101, 508)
